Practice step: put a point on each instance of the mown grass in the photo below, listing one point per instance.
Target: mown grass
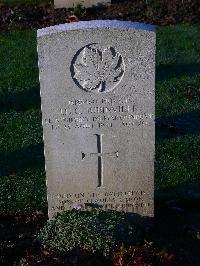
(178, 104)
(22, 175)
(22, 182)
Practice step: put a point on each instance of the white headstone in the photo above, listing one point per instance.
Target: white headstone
(97, 87)
(84, 3)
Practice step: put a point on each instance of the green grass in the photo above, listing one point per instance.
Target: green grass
(22, 175)
(178, 70)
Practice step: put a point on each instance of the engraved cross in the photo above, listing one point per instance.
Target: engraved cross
(100, 156)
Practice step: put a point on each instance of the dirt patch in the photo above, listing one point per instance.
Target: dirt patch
(164, 12)
(17, 235)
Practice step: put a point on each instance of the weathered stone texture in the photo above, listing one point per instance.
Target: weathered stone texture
(97, 87)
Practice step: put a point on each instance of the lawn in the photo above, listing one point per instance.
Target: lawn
(22, 182)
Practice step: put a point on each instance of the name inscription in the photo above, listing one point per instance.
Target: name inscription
(98, 113)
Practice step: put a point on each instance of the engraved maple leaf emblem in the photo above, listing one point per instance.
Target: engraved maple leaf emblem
(98, 69)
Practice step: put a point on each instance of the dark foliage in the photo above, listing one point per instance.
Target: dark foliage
(95, 231)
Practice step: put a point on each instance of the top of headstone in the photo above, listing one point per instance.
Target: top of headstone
(93, 24)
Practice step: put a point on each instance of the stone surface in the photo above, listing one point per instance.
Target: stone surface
(85, 3)
(97, 83)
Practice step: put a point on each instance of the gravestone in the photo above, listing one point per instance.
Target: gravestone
(97, 83)
(84, 3)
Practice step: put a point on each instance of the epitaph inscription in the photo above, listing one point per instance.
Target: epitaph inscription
(98, 115)
(127, 201)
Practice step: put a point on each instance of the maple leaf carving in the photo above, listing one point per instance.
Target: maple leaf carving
(98, 69)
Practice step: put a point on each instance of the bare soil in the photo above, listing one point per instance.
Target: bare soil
(163, 12)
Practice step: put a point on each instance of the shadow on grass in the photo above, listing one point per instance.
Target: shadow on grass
(23, 100)
(175, 126)
(28, 157)
(32, 156)
(165, 72)
(187, 192)
(20, 101)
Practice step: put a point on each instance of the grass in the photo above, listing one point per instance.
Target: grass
(22, 182)
(178, 155)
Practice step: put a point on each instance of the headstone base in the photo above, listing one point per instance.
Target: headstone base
(85, 3)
